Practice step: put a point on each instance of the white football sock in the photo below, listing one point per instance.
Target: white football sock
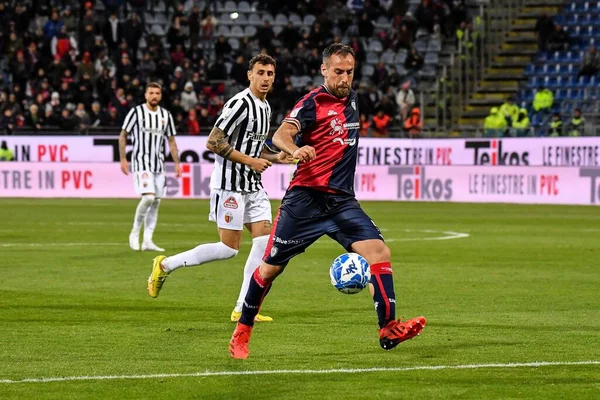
(140, 212)
(255, 257)
(150, 220)
(199, 255)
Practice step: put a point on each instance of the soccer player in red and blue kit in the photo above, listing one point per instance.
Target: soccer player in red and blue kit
(322, 133)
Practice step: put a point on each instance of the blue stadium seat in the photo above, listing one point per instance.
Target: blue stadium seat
(432, 59)
(244, 7)
(295, 19)
(254, 19)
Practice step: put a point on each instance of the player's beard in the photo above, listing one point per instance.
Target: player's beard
(341, 91)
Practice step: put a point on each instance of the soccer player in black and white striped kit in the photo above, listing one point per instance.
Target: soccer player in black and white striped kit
(237, 195)
(148, 124)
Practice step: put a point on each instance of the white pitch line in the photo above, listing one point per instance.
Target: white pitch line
(448, 235)
(535, 364)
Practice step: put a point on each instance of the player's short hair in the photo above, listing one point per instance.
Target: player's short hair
(337, 49)
(263, 59)
(153, 85)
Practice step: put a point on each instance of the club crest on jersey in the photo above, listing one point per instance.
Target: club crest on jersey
(336, 127)
(228, 217)
(230, 203)
(353, 104)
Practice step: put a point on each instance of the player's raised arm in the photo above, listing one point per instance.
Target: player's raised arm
(218, 143)
(284, 139)
(122, 152)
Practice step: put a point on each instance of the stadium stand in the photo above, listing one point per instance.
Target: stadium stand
(80, 66)
(532, 52)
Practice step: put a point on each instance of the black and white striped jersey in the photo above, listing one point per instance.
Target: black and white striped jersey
(245, 119)
(148, 129)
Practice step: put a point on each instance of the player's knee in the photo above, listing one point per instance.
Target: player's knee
(148, 198)
(269, 272)
(227, 252)
(379, 253)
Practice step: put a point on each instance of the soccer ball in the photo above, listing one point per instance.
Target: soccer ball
(350, 273)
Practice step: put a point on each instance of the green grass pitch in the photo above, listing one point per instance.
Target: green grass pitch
(523, 287)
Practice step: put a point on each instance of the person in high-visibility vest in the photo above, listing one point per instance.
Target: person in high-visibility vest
(494, 124)
(413, 124)
(520, 126)
(6, 154)
(577, 124)
(556, 125)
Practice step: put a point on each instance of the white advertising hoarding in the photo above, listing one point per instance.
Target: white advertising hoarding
(477, 184)
(577, 152)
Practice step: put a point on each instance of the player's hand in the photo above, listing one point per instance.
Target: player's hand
(178, 170)
(284, 158)
(305, 153)
(125, 167)
(260, 164)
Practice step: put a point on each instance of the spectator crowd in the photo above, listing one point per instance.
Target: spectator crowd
(66, 65)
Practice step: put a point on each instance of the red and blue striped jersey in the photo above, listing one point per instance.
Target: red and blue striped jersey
(330, 125)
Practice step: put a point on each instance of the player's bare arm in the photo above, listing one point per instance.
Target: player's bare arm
(219, 144)
(284, 139)
(122, 152)
(175, 154)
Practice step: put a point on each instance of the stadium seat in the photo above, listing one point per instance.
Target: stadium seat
(250, 30)
(420, 45)
(223, 30)
(372, 58)
(388, 56)
(160, 18)
(295, 19)
(401, 56)
(234, 43)
(309, 19)
(367, 70)
(428, 71)
(237, 31)
(254, 19)
(432, 59)
(375, 45)
(280, 20)
(230, 6)
(268, 17)
(157, 30)
(244, 7)
(434, 46)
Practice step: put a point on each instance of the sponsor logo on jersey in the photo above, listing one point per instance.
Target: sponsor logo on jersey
(231, 203)
(345, 142)
(331, 112)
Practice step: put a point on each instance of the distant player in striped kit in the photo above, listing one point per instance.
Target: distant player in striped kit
(237, 195)
(148, 124)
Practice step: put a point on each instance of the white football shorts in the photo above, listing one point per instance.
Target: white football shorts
(149, 182)
(231, 210)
